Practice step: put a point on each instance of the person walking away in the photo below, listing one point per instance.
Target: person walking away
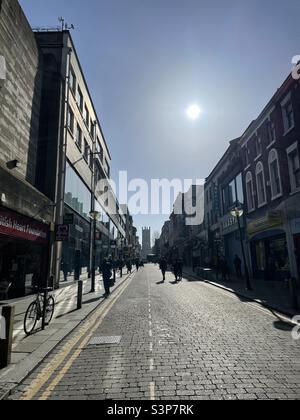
(238, 266)
(163, 268)
(121, 265)
(137, 264)
(176, 269)
(180, 269)
(107, 274)
(129, 267)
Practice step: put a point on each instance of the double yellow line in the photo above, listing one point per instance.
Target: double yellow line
(85, 333)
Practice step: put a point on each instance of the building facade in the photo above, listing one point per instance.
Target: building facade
(25, 213)
(146, 242)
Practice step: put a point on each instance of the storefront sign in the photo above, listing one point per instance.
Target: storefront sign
(22, 227)
(62, 233)
(272, 219)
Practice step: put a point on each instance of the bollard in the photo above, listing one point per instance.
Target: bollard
(79, 294)
(293, 291)
(6, 336)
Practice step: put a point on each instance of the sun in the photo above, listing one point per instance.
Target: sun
(193, 112)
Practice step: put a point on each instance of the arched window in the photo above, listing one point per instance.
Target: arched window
(249, 191)
(274, 174)
(260, 185)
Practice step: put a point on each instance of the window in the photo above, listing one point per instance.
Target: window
(274, 174)
(77, 195)
(87, 117)
(80, 99)
(86, 153)
(72, 81)
(294, 167)
(99, 150)
(271, 132)
(258, 147)
(71, 120)
(249, 191)
(288, 114)
(106, 168)
(92, 128)
(79, 137)
(247, 155)
(260, 182)
(233, 193)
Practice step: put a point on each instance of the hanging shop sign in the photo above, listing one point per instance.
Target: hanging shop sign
(22, 227)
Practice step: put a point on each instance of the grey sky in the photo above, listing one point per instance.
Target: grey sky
(146, 60)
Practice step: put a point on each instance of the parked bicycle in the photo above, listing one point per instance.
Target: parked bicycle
(35, 311)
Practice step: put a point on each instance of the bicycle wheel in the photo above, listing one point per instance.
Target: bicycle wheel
(49, 309)
(30, 319)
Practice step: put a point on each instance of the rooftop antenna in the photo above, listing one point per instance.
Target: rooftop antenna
(64, 25)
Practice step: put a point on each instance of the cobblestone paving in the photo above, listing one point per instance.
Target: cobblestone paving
(181, 341)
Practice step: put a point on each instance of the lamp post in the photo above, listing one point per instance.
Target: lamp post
(238, 212)
(94, 215)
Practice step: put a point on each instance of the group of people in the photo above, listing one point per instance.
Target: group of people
(108, 268)
(177, 268)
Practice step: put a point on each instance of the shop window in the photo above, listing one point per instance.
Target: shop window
(294, 167)
(274, 174)
(77, 195)
(260, 183)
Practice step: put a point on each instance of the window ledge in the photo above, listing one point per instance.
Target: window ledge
(258, 157)
(247, 167)
(262, 205)
(70, 132)
(296, 191)
(276, 196)
(271, 144)
(288, 130)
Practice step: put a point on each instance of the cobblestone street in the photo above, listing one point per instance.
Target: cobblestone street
(177, 341)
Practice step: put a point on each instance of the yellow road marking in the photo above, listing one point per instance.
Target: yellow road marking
(90, 325)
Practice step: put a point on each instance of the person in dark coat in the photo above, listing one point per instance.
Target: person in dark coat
(180, 269)
(121, 265)
(137, 264)
(163, 267)
(107, 274)
(225, 270)
(176, 269)
(238, 266)
(129, 267)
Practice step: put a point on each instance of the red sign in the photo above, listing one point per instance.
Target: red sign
(22, 227)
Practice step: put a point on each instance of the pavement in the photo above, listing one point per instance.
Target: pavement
(270, 294)
(171, 341)
(28, 352)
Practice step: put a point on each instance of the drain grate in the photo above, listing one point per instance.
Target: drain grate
(98, 341)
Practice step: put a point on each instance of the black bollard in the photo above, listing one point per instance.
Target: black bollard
(79, 294)
(6, 335)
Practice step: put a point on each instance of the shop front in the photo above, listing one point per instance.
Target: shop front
(23, 253)
(268, 247)
(232, 240)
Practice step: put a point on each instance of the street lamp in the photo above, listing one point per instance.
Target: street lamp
(94, 215)
(238, 212)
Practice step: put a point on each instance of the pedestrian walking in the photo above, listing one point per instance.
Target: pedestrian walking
(163, 267)
(238, 266)
(225, 270)
(129, 267)
(137, 264)
(180, 269)
(176, 269)
(121, 265)
(107, 274)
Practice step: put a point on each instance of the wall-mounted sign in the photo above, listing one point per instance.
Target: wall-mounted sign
(62, 233)
(272, 219)
(69, 219)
